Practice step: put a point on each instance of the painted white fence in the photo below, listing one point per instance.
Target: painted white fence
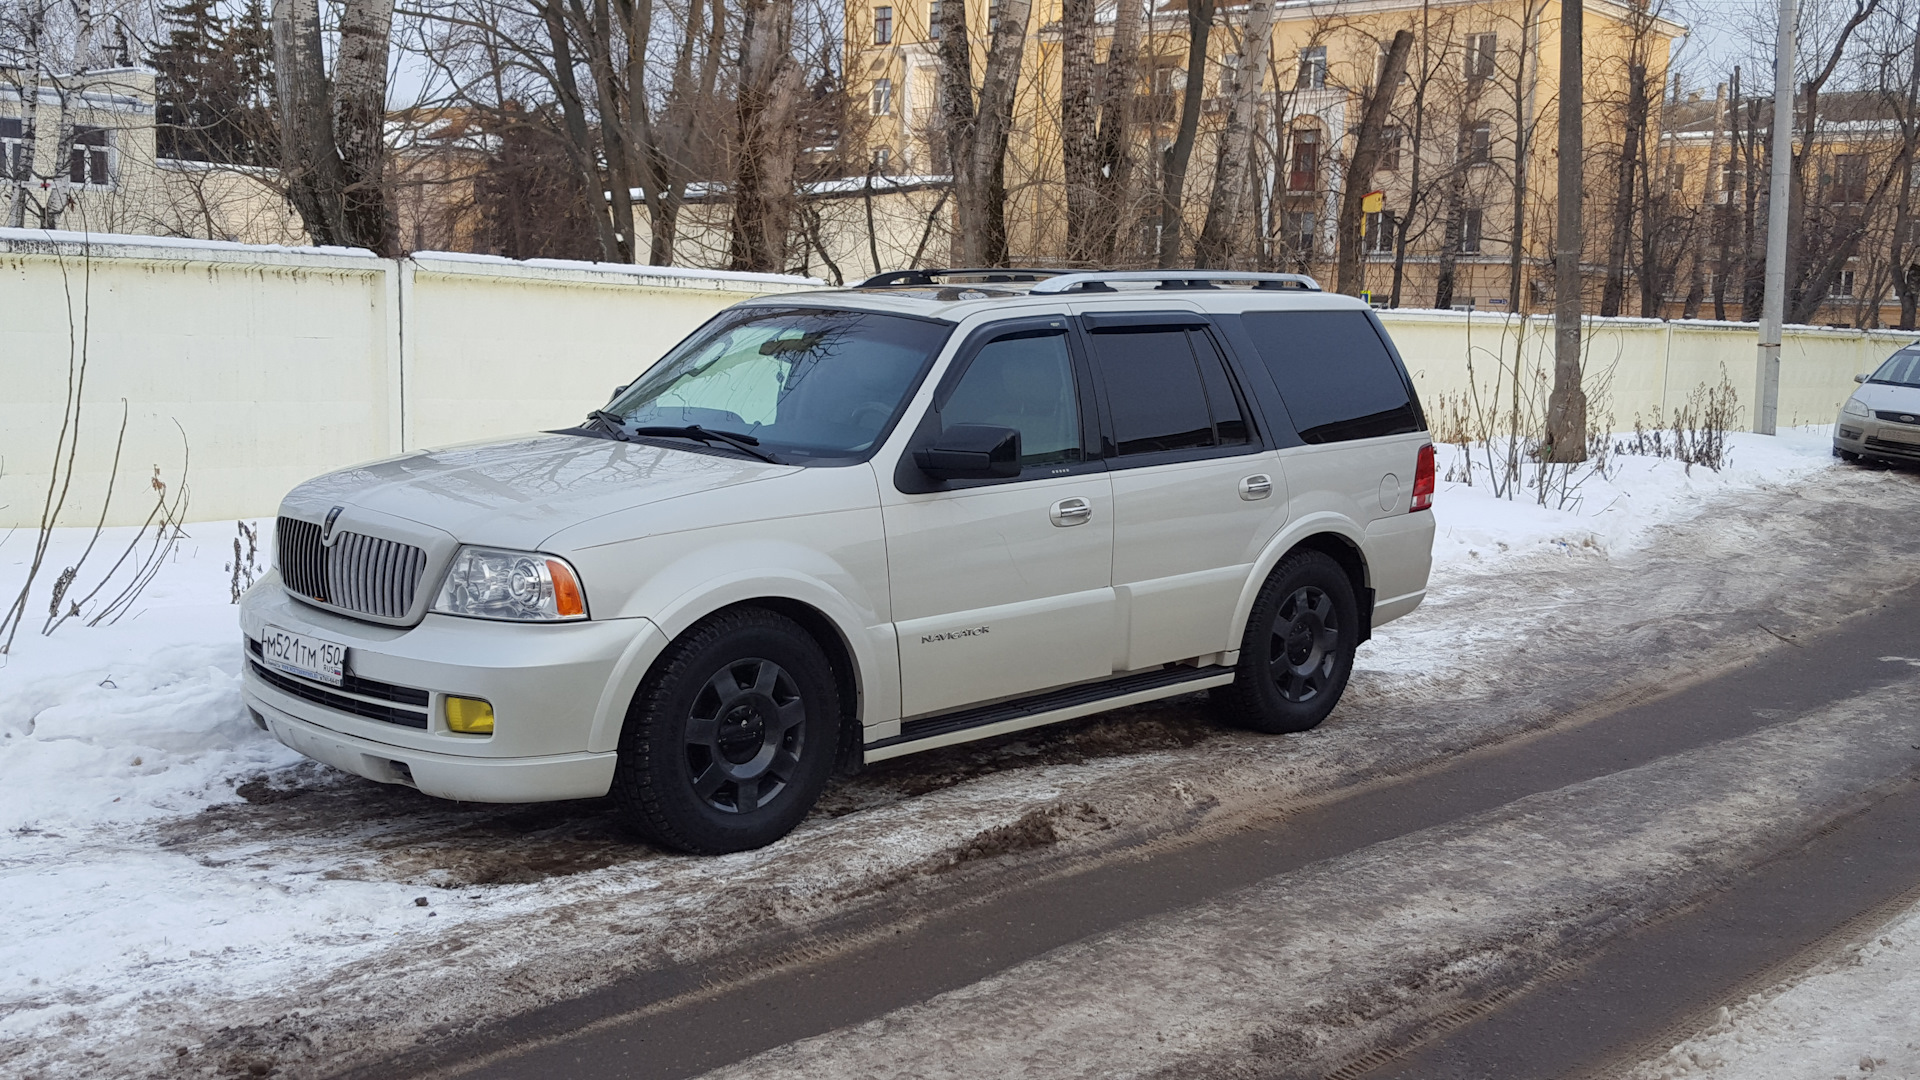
(274, 364)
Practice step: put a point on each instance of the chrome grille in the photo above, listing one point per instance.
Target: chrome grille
(358, 573)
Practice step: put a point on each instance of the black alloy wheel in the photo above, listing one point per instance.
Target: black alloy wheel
(745, 736)
(1305, 646)
(731, 737)
(1297, 652)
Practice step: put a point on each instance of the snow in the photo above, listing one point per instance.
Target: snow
(108, 733)
(1856, 1015)
(1611, 514)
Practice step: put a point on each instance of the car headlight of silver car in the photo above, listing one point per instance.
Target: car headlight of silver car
(1853, 407)
(522, 586)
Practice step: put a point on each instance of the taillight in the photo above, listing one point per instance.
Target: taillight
(1423, 480)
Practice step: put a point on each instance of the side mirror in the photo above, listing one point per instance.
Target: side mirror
(621, 389)
(1860, 378)
(972, 452)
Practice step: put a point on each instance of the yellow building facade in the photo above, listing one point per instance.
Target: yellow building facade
(1471, 150)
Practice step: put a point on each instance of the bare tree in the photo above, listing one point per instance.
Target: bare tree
(1175, 158)
(978, 128)
(333, 131)
(1221, 236)
(767, 146)
(1366, 158)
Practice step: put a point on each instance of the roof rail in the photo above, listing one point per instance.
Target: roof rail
(1097, 280)
(979, 275)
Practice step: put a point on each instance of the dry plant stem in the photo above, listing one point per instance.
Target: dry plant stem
(167, 536)
(65, 447)
(54, 617)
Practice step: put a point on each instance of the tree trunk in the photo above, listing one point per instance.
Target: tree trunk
(1759, 164)
(1079, 133)
(1613, 293)
(983, 225)
(1723, 215)
(1904, 259)
(1697, 286)
(1349, 275)
(1174, 160)
(1113, 178)
(360, 123)
(1220, 236)
(1798, 257)
(1566, 434)
(1450, 236)
(1522, 157)
(309, 162)
(22, 181)
(767, 145)
(580, 144)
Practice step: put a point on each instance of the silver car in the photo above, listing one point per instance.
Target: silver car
(1882, 418)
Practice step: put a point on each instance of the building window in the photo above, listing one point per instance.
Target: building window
(933, 21)
(1313, 69)
(1479, 148)
(881, 158)
(1842, 287)
(1389, 149)
(1677, 177)
(1305, 174)
(993, 17)
(883, 97)
(1298, 230)
(883, 26)
(1849, 179)
(1481, 49)
(1470, 231)
(13, 150)
(1380, 228)
(87, 164)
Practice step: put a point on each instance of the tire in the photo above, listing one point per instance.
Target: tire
(731, 738)
(1847, 456)
(1307, 615)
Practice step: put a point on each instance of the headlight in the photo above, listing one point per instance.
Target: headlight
(524, 586)
(1854, 408)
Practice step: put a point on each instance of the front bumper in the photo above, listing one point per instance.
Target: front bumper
(559, 695)
(1873, 437)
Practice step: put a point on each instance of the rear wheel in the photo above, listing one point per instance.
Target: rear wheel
(1297, 652)
(730, 739)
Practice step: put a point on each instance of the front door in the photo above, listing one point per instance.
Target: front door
(1003, 587)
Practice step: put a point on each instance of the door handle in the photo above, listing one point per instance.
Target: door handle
(1070, 512)
(1257, 486)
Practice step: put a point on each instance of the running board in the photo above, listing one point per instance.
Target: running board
(945, 729)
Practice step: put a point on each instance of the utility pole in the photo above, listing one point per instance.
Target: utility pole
(1773, 307)
(1567, 405)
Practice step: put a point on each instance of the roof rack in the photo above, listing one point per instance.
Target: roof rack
(1097, 280)
(984, 275)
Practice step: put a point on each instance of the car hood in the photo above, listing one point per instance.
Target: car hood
(517, 492)
(1886, 396)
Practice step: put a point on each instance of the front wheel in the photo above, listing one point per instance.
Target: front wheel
(731, 738)
(1297, 652)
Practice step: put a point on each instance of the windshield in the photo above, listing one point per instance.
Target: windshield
(1901, 369)
(807, 383)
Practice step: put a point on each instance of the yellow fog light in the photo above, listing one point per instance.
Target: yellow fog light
(469, 716)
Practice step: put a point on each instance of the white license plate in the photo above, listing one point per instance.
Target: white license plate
(300, 654)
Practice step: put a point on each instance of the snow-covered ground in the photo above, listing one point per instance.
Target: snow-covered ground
(113, 739)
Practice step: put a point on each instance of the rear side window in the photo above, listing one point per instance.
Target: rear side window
(1167, 389)
(1335, 374)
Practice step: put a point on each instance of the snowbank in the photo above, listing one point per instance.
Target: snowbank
(1611, 514)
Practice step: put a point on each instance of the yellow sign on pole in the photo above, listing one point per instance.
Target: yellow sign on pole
(1373, 202)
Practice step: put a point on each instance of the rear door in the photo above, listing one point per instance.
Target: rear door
(1361, 428)
(1196, 492)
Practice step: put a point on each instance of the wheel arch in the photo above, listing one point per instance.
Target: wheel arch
(1331, 535)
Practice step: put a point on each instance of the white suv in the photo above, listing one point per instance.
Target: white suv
(852, 524)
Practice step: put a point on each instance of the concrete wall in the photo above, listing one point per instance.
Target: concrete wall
(275, 364)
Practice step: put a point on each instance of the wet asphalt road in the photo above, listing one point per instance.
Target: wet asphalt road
(1640, 987)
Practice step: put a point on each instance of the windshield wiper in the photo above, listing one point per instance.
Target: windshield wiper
(611, 424)
(746, 444)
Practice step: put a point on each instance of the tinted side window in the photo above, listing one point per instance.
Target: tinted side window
(1025, 383)
(1335, 374)
(1153, 391)
(1229, 417)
